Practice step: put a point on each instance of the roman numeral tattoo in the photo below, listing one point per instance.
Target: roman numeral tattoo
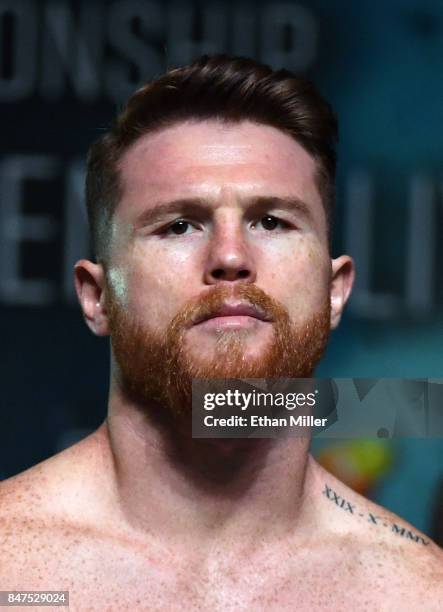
(339, 501)
(373, 519)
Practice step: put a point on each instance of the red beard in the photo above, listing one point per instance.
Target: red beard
(158, 369)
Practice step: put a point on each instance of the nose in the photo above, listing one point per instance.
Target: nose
(229, 258)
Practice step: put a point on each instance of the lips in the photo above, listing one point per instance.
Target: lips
(232, 310)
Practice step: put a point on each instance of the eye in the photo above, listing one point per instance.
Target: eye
(270, 222)
(178, 227)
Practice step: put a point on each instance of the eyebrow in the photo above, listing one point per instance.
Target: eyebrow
(202, 207)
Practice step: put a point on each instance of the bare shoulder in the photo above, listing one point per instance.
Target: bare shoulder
(54, 483)
(387, 550)
(49, 505)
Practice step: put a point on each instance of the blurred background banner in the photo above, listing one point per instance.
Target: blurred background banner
(65, 69)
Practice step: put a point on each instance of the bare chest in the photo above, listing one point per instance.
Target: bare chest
(110, 577)
(142, 587)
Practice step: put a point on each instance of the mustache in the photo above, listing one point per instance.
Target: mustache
(208, 304)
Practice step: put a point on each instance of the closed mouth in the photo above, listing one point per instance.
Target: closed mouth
(235, 310)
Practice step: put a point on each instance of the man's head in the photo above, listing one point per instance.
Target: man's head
(213, 192)
(230, 90)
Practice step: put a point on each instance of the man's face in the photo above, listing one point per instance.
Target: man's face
(215, 215)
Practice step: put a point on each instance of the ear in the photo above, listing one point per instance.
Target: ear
(90, 287)
(343, 274)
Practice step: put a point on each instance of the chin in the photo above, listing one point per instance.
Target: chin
(223, 342)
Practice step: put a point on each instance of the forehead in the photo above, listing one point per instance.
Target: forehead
(211, 158)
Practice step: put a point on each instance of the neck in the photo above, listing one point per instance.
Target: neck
(168, 482)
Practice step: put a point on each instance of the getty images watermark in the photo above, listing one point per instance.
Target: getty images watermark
(329, 407)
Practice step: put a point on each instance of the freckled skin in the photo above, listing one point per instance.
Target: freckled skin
(174, 269)
(115, 519)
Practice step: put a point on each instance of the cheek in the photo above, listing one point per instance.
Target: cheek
(158, 281)
(167, 258)
(299, 273)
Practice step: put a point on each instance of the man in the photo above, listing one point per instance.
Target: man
(210, 207)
